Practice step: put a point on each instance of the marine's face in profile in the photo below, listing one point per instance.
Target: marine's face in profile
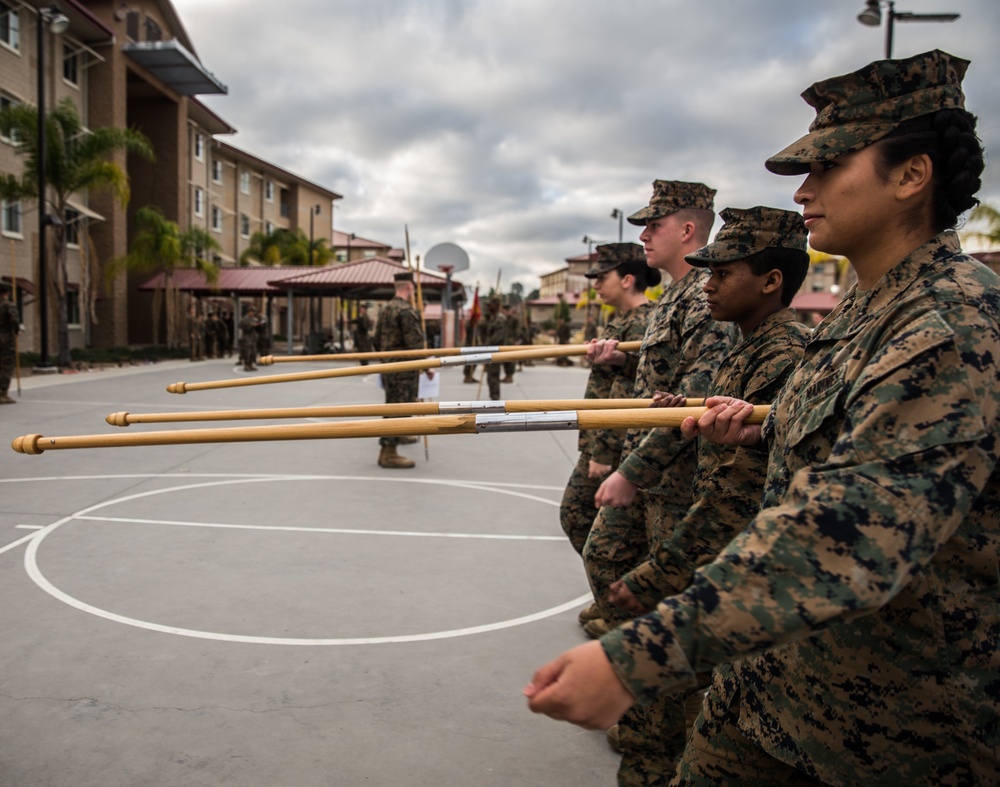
(845, 203)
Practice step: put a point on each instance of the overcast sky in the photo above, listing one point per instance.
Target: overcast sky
(514, 127)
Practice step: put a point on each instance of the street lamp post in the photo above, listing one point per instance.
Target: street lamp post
(618, 214)
(590, 244)
(53, 18)
(872, 16)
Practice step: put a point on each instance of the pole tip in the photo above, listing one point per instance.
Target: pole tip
(28, 444)
(265, 360)
(177, 388)
(117, 419)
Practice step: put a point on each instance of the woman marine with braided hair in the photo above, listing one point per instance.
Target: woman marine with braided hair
(854, 624)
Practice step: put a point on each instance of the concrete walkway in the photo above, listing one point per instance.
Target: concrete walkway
(282, 613)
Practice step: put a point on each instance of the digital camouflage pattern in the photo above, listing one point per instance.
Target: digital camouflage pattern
(751, 231)
(729, 479)
(670, 196)
(611, 255)
(861, 606)
(10, 326)
(681, 350)
(491, 332)
(857, 109)
(577, 511)
(398, 328)
(680, 353)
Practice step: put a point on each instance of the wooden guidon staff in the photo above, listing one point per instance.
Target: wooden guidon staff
(554, 351)
(400, 409)
(392, 427)
(440, 352)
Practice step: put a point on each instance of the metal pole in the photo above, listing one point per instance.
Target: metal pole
(43, 286)
(890, 18)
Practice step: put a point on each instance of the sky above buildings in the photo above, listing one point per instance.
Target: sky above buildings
(514, 127)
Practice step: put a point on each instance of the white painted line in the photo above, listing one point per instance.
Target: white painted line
(338, 530)
(34, 571)
(29, 527)
(19, 541)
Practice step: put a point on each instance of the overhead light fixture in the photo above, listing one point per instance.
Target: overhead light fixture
(58, 21)
(872, 15)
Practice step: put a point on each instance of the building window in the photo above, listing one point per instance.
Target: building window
(269, 190)
(132, 25)
(244, 225)
(199, 201)
(368, 253)
(216, 219)
(153, 31)
(245, 182)
(199, 146)
(73, 307)
(71, 64)
(71, 233)
(11, 217)
(268, 228)
(4, 103)
(10, 27)
(216, 171)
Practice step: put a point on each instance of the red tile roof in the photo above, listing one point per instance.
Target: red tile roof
(371, 278)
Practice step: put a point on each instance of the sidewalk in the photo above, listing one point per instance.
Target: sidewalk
(282, 613)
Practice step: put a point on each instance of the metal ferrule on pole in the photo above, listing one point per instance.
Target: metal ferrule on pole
(461, 408)
(466, 360)
(526, 422)
(483, 349)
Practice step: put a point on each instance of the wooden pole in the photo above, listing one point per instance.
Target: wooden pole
(654, 417)
(400, 409)
(548, 351)
(442, 352)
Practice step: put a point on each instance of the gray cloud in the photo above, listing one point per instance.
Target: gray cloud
(513, 128)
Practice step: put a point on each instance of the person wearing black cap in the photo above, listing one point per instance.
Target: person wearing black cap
(398, 328)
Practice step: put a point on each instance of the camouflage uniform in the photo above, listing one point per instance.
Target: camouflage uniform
(362, 335)
(577, 511)
(680, 352)
(511, 336)
(10, 326)
(398, 328)
(870, 573)
(682, 348)
(248, 341)
(491, 332)
(729, 479)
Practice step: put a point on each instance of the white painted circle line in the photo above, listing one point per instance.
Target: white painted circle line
(36, 575)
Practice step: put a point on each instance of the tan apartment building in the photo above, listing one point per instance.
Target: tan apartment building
(133, 65)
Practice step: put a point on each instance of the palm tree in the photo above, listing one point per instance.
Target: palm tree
(159, 246)
(76, 160)
(285, 247)
(990, 216)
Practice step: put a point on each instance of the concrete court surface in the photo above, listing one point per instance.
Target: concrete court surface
(282, 613)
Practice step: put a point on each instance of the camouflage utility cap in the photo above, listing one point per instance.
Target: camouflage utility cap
(403, 276)
(857, 109)
(748, 231)
(612, 255)
(670, 196)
